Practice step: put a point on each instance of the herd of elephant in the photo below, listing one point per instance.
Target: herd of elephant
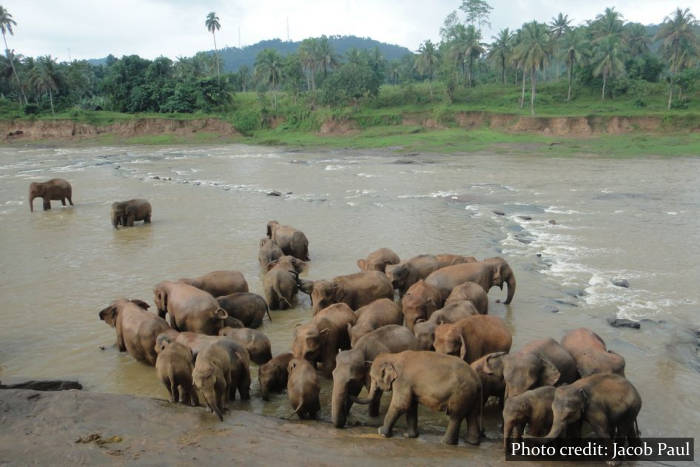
(437, 346)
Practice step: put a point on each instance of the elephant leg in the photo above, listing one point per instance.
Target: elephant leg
(452, 432)
(175, 396)
(244, 387)
(599, 423)
(573, 429)
(169, 386)
(392, 415)
(130, 220)
(63, 201)
(473, 434)
(412, 420)
(147, 219)
(47, 205)
(374, 404)
(70, 200)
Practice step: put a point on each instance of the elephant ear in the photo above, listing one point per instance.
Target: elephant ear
(220, 313)
(388, 374)
(494, 363)
(362, 264)
(549, 374)
(463, 348)
(306, 286)
(272, 264)
(109, 315)
(140, 303)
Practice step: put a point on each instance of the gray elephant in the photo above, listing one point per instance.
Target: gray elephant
(533, 409)
(303, 388)
(375, 315)
(608, 402)
(351, 372)
(472, 292)
(219, 283)
(56, 189)
(190, 308)
(174, 367)
(246, 307)
(440, 382)
(490, 371)
(356, 290)
(591, 354)
(281, 282)
(403, 275)
(487, 273)
(269, 252)
(273, 375)
(255, 342)
(424, 330)
(419, 302)
(125, 213)
(293, 242)
(378, 260)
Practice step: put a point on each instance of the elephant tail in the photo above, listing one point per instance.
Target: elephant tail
(636, 429)
(267, 309)
(277, 290)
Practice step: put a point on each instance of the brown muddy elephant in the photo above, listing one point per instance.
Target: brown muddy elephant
(445, 260)
(351, 371)
(255, 342)
(281, 282)
(403, 275)
(219, 283)
(320, 340)
(190, 308)
(424, 330)
(356, 290)
(487, 273)
(273, 375)
(473, 337)
(174, 367)
(490, 371)
(591, 354)
(472, 292)
(378, 260)
(125, 213)
(440, 382)
(293, 242)
(269, 252)
(608, 402)
(56, 189)
(419, 302)
(136, 328)
(246, 307)
(533, 409)
(375, 315)
(303, 388)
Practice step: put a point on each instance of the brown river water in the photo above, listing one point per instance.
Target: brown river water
(634, 219)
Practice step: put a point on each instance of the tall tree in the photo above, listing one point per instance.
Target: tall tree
(325, 55)
(636, 39)
(6, 25)
(680, 43)
(478, 12)
(608, 60)
(573, 47)
(268, 69)
(501, 49)
(44, 77)
(534, 51)
(427, 61)
(559, 26)
(213, 25)
(308, 54)
(467, 47)
(607, 24)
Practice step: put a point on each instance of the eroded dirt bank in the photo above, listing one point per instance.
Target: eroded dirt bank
(85, 428)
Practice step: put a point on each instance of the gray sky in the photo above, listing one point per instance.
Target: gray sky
(95, 28)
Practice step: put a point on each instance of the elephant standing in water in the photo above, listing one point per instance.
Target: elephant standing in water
(591, 354)
(127, 212)
(293, 242)
(356, 290)
(487, 273)
(190, 308)
(378, 260)
(56, 189)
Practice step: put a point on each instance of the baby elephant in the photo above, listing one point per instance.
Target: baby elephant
(473, 337)
(591, 354)
(174, 368)
(56, 189)
(373, 316)
(246, 307)
(303, 388)
(255, 342)
(273, 375)
(125, 213)
(532, 408)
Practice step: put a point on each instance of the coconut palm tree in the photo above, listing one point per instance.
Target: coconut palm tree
(6, 25)
(325, 55)
(268, 69)
(534, 52)
(636, 39)
(573, 47)
(609, 23)
(44, 77)
(501, 49)
(608, 60)
(559, 26)
(213, 25)
(467, 47)
(426, 62)
(680, 43)
(308, 53)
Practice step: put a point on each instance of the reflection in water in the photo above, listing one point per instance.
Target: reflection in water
(210, 208)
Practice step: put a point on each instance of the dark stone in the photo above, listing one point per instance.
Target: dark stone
(539, 255)
(552, 221)
(274, 193)
(499, 213)
(564, 302)
(621, 283)
(525, 218)
(623, 323)
(553, 309)
(289, 193)
(156, 177)
(50, 385)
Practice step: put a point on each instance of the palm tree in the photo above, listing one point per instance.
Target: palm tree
(44, 77)
(574, 45)
(636, 39)
(325, 55)
(609, 23)
(213, 25)
(467, 47)
(6, 24)
(559, 26)
(426, 61)
(680, 43)
(501, 49)
(268, 69)
(308, 53)
(608, 60)
(534, 52)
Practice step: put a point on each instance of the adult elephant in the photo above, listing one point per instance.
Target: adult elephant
(472, 292)
(56, 189)
(127, 212)
(351, 371)
(190, 308)
(292, 241)
(445, 260)
(487, 273)
(424, 330)
(219, 283)
(378, 260)
(355, 290)
(407, 273)
(591, 354)
(137, 329)
(473, 337)
(246, 307)
(375, 315)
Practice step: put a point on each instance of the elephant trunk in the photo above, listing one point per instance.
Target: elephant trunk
(557, 427)
(115, 220)
(507, 430)
(511, 288)
(208, 398)
(31, 201)
(372, 390)
(340, 405)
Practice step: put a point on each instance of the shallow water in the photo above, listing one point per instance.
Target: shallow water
(636, 219)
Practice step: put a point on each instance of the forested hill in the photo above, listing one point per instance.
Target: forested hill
(232, 58)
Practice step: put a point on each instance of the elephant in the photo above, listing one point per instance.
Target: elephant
(375, 315)
(190, 308)
(403, 275)
(303, 388)
(487, 273)
(473, 337)
(281, 282)
(127, 212)
(378, 260)
(319, 340)
(542, 362)
(591, 354)
(608, 402)
(352, 368)
(273, 375)
(445, 260)
(424, 330)
(474, 293)
(136, 328)
(219, 283)
(533, 409)
(419, 302)
(56, 189)
(220, 369)
(293, 242)
(255, 342)
(356, 290)
(174, 367)
(246, 307)
(440, 382)
(490, 371)
(269, 252)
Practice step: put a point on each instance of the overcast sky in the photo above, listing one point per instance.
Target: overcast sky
(95, 28)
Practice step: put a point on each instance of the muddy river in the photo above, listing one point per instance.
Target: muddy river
(632, 219)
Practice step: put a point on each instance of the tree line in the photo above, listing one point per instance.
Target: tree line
(605, 52)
